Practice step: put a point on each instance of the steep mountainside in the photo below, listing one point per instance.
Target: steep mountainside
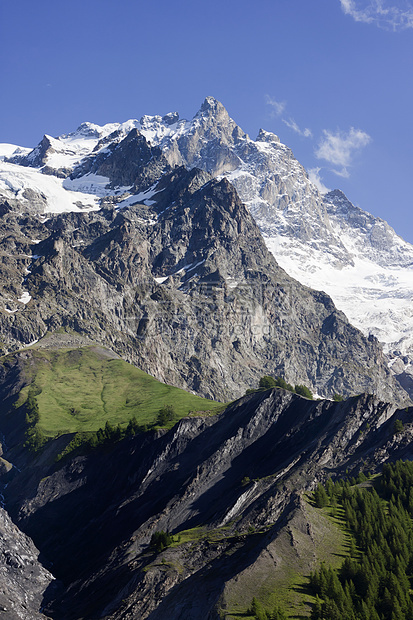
(230, 487)
(185, 288)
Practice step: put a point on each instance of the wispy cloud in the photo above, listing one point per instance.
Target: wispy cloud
(278, 107)
(315, 177)
(306, 133)
(382, 13)
(339, 148)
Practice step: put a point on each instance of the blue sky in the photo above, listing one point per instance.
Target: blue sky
(333, 78)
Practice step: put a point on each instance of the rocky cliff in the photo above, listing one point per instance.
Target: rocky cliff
(185, 288)
(323, 241)
(25, 584)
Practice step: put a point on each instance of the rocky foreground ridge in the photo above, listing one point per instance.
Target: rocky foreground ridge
(230, 487)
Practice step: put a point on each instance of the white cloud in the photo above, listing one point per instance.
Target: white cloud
(339, 148)
(344, 173)
(315, 178)
(380, 12)
(307, 133)
(278, 107)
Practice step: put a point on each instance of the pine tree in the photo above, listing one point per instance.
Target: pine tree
(320, 496)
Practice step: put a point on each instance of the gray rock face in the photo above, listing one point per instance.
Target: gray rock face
(187, 290)
(373, 237)
(37, 157)
(323, 241)
(205, 142)
(23, 579)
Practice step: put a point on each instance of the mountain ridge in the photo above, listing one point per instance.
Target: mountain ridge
(185, 288)
(323, 241)
(232, 485)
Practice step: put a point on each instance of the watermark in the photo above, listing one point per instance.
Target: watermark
(253, 309)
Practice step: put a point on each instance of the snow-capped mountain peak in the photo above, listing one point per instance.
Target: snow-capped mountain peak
(267, 136)
(322, 240)
(86, 130)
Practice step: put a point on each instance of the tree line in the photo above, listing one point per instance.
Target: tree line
(110, 433)
(373, 582)
(267, 382)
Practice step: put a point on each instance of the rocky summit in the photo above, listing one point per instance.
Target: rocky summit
(152, 255)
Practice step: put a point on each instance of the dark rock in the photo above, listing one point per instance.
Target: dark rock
(131, 162)
(5, 207)
(37, 157)
(94, 516)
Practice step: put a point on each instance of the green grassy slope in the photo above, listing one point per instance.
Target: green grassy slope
(81, 389)
(280, 576)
